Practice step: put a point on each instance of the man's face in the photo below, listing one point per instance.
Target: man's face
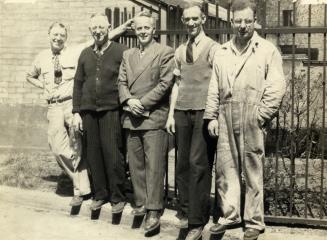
(243, 24)
(193, 19)
(144, 30)
(99, 28)
(58, 37)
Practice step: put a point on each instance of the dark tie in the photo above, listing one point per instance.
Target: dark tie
(189, 51)
(57, 70)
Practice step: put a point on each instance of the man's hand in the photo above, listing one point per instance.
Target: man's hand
(136, 106)
(170, 125)
(213, 128)
(129, 24)
(77, 122)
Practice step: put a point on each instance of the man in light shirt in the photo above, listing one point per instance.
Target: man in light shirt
(53, 70)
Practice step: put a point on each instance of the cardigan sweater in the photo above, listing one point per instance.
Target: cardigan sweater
(95, 82)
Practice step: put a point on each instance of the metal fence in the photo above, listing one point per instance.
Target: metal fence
(295, 169)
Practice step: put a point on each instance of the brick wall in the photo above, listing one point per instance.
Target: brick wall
(23, 34)
(24, 29)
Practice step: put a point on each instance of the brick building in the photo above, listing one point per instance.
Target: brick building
(23, 34)
(24, 25)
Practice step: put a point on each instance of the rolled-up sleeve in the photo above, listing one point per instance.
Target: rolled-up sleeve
(274, 88)
(212, 105)
(177, 60)
(35, 69)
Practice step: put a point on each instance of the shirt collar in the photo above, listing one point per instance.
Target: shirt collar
(104, 47)
(59, 53)
(199, 37)
(252, 43)
(141, 48)
(142, 51)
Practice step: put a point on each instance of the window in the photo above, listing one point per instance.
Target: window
(287, 18)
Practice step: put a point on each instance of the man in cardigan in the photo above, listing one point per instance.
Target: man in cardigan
(195, 147)
(53, 71)
(96, 112)
(145, 79)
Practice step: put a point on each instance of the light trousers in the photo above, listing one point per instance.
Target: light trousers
(59, 117)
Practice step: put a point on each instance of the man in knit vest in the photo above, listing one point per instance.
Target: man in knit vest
(245, 93)
(145, 80)
(96, 112)
(195, 147)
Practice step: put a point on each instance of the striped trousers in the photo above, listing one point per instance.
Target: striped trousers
(147, 157)
(104, 154)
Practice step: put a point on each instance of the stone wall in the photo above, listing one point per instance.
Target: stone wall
(301, 20)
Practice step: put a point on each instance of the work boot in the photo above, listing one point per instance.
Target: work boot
(251, 234)
(152, 220)
(218, 228)
(139, 211)
(117, 207)
(195, 233)
(221, 228)
(76, 201)
(97, 204)
(183, 223)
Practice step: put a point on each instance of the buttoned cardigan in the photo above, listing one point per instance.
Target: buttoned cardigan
(95, 82)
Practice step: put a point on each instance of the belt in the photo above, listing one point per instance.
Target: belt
(60, 100)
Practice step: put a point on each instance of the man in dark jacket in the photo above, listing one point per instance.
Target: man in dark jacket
(96, 112)
(145, 80)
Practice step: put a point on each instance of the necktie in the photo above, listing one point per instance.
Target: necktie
(189, 51)
(57, 70)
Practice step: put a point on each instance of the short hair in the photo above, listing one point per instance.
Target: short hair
(148, 15)
(57, 24)
(98, 15)
(185, 4)
(238, 5)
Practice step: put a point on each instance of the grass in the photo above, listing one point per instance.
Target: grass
(33, 170)
(37, 169)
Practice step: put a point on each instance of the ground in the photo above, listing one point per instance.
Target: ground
(20, 222)
(35, 206)
(36, 215)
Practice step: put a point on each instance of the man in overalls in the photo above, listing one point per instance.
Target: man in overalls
(245, 92)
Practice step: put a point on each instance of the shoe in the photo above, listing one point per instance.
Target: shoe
(118, 207)
(194, 234)
(152, 221)
(139, 211)
(251, 234)
(221, 228)
(76, 201)
(183, 223)
(97, 204)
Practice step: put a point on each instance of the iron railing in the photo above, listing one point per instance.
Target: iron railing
(295, 171)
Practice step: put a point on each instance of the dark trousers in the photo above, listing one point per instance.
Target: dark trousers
(195, 155)
(147, 156)
(103, 135)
